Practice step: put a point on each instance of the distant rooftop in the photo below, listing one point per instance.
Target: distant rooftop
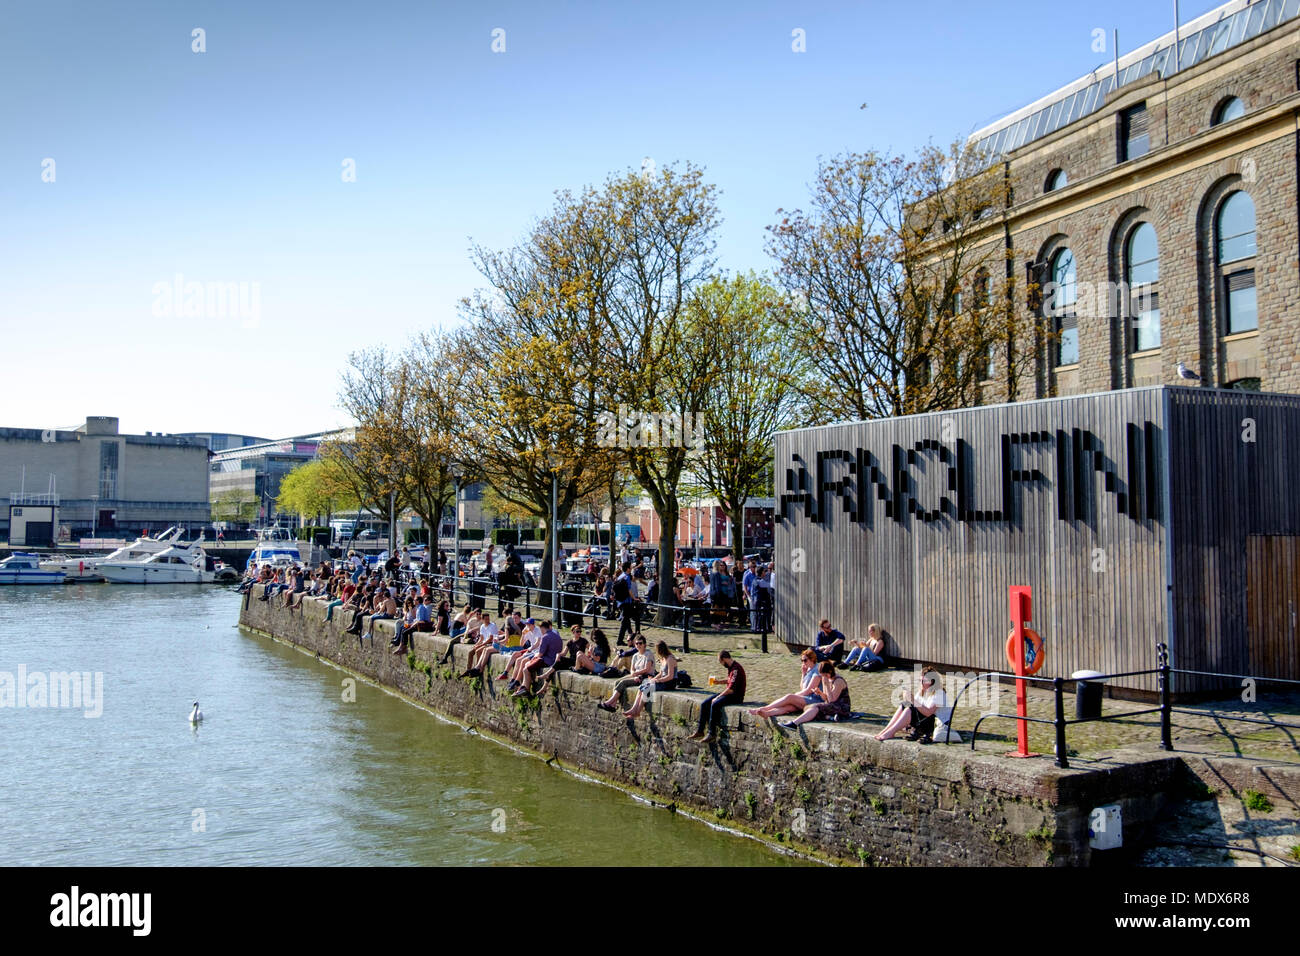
(1216, 32)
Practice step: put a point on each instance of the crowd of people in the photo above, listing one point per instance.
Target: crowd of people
(534, 650)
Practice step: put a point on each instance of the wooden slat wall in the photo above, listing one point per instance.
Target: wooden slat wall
(939, 588)
(1225, 490)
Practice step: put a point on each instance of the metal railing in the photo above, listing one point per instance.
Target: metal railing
(1165, 709)
(477, 589)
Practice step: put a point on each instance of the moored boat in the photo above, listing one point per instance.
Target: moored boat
(24, 567)
(84, 570)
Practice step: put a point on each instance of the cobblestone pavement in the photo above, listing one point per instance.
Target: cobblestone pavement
(1201, 727)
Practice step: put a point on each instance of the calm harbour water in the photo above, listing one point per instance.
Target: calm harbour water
(283, 770)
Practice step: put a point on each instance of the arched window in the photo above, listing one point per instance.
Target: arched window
(1060, 303)
(1234, 241)
(1230, 109)
(983, 299)
(1236, 228)
(1056, 179)
(1141, 273)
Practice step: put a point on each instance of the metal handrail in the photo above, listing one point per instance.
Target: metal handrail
(450, 584)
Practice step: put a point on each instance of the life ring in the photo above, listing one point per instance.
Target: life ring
(1035, 656)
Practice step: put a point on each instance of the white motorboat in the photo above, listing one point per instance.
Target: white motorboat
(180, 564)
(24, 567)
(279, 555)
(85, 570)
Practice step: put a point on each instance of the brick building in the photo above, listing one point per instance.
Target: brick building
(1157, 214)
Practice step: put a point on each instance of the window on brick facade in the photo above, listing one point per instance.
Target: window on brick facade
(1056, 179)
(1060, 301)
(1235, 250)
(1230, 109)
(1241, 312)
(1134, 140)
(1235, 228)
(1142, 274)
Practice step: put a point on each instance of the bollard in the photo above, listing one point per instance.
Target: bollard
(1061, 761)
(686, 633)
(1166, 739)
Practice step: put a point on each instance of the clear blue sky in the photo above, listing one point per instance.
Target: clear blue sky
(226, 166)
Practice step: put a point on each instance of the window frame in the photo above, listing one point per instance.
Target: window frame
(1126, 134)
(1143, 298)
(1064, 316)
(1237, 274)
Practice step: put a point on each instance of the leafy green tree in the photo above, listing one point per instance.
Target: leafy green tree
(753, 395)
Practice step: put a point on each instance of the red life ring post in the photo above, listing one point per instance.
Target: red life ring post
(1021, 602)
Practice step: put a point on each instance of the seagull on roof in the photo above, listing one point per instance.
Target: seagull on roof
(1187, 374)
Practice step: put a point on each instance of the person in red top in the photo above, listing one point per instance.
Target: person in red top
(733, 693)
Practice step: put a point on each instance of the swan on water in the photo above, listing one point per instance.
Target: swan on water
(196, 715)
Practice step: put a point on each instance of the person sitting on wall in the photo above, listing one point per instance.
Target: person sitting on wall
(711, 713)
(528, 641)
(835, 703)
(917, 712)
(595, 659)
(641, 667)
(808, 693)
(483, 646)
(868, 655)
(386, 610)
(573, 649)
(665, 678)
(548, 649)
(829, 643)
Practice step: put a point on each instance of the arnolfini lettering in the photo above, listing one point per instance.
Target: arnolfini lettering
(102, 909)
(1078, 465)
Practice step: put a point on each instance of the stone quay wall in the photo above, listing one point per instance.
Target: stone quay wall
(827, 790)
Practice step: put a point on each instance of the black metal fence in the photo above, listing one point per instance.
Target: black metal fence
(575, 605)
(1165, 709)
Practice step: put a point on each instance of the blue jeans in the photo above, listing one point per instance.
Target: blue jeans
(863, 656)
(711, 711)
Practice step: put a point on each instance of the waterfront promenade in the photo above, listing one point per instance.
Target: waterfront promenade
(829, 790)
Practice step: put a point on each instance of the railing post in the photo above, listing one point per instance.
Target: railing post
(1061, 761)
(528, 602)
(686, 630)
(1166, 739)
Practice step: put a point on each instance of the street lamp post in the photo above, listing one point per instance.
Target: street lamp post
(94, 515)
(555, 546)
(455, 580)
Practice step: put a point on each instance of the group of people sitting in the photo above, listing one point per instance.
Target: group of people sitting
(535, 650)
(824, 695)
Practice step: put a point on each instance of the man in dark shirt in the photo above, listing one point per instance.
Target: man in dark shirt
(733, 693)
(830, 643)
(548, 649)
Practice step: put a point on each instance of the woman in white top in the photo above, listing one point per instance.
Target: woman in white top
(917, 712)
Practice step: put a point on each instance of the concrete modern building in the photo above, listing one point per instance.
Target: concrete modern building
(257, 469)
(96, 477)
(223, 441)
(1154, 204)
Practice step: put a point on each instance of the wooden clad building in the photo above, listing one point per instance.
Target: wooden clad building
(1139, 516)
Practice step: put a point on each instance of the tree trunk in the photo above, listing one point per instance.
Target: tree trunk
(669, 515)
(613, 518)
(737, 518)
